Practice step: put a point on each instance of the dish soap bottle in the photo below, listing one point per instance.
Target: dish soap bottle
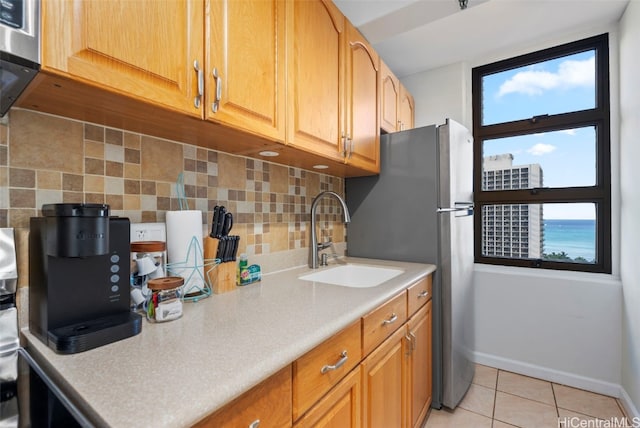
(243, 270)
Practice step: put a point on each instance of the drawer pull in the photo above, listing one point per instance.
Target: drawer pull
(255, 424)
(423, 293)
(394, 318)
(340, 363)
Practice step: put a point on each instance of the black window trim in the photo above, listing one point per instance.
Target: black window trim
(599, 117)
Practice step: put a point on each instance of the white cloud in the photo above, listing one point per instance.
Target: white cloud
(569, 131)
(541, 149)
(534, 82)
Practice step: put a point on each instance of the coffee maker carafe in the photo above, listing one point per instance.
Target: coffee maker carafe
(79, 278)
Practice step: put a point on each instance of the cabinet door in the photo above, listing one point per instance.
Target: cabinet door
(362, 101)
(420, 366)
(267, 405)
(389, 96)
(144, 49)
(246, 49)
(315, 79)
(340, 408)
(384, 385)
(407, 109)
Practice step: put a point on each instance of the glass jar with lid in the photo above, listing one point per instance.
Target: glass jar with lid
(164, 301)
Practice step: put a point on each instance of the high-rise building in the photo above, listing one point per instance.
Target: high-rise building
(513, 230)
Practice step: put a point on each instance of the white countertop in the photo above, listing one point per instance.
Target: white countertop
(173, 374)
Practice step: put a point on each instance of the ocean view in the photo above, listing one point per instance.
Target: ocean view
(577, 238)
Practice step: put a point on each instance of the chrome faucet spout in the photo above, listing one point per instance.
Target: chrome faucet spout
(313, 248)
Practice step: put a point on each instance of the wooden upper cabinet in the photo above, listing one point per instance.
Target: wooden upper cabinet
(315, 70)
(407, 109)
(362, 146)
(246, 48)
(389, 96)
(141, 49)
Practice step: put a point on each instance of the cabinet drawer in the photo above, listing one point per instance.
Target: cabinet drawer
(419, 293)
(379, 324)
(320, 369)
(269, 403)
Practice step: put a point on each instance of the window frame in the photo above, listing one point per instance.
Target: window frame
(598, 117)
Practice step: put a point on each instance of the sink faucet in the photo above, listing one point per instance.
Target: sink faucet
(314, 247)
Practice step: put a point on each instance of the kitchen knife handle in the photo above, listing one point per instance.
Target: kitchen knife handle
(200, 73)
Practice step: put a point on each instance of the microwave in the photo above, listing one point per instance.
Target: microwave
(19, 48)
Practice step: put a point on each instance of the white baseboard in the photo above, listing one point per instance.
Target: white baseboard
(557, 376)
(629, 407)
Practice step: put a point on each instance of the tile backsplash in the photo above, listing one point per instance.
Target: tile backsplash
(50, 159)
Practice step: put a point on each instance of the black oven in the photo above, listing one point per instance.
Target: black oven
(29, 398)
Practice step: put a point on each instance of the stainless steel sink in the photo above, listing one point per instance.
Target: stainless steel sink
(353, 275)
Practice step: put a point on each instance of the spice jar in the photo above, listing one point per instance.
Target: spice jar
(164, 302)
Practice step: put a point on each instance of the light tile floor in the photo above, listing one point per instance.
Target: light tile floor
(501, 399)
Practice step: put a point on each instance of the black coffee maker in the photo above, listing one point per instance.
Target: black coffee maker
(79, 262)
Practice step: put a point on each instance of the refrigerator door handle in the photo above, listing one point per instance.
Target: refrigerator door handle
(458, 206)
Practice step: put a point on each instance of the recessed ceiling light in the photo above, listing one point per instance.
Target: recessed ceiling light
(269, 153)
(321, 166)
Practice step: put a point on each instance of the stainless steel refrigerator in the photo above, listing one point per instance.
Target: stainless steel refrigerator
(419, 209)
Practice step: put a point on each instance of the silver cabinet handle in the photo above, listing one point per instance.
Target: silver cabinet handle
(350, 141)
(216, 102)
(343, 139)
(255, 424)
(340, 363)
(423, 293)
(413, 341)
(198, 98)
(410, 350)
(391, 320)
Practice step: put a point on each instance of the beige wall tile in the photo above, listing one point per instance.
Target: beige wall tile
(279, 179)
(160, 160)
(132, 170)
(93, 149)
(4, 132)
(45, 142)
(231, 171)
(94, 183)
(131, 202)
(19, 177)
(94, 132)
(131, 140)
(49, 180)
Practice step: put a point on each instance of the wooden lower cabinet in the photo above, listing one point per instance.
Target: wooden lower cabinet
(419, 378)
(383, 384)
(267, 405)
(340, 408)
(333, 386)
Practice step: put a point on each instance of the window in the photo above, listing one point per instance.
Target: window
(542, 184)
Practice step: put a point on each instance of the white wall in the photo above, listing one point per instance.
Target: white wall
(630, 198)
(561, 326)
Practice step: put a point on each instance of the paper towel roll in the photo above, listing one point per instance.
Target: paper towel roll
(184, 248)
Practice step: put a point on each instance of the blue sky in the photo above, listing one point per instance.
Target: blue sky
(567, 157)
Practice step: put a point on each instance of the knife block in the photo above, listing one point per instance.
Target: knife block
(223, 277)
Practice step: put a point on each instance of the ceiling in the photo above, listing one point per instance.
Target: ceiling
(418, 35)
